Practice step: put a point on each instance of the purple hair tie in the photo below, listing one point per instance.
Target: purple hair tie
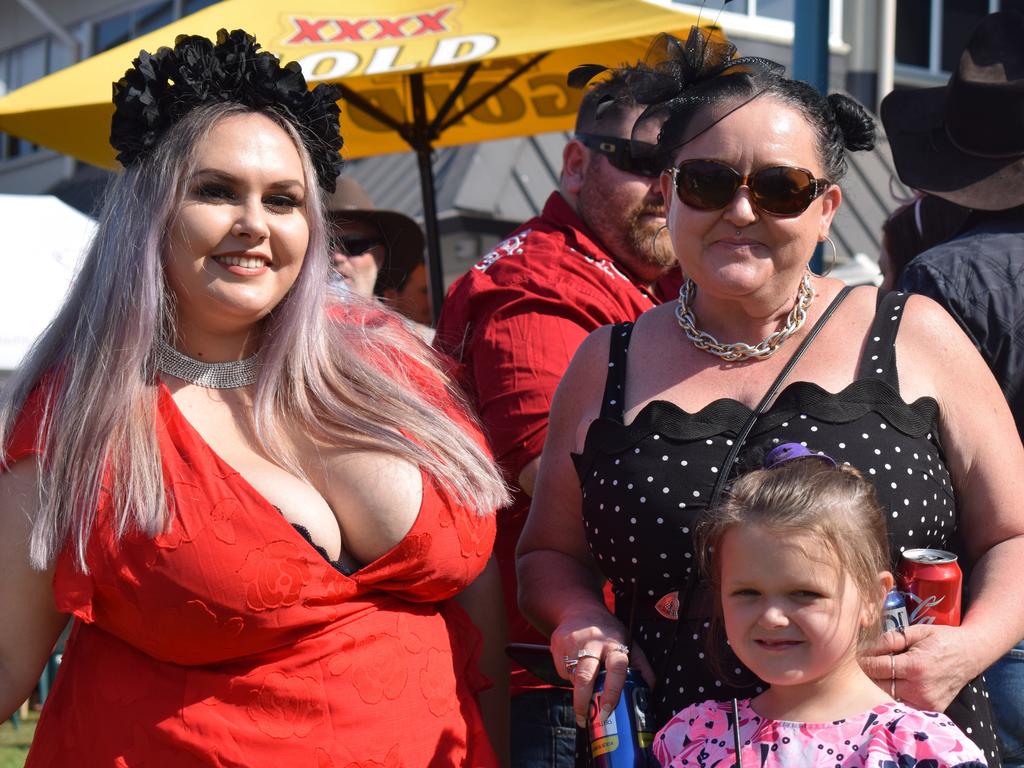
(780, 454)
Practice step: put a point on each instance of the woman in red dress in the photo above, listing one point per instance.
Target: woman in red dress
(254, 496)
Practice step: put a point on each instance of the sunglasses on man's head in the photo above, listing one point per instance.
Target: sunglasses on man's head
(708, 185)
(355, 246)
(620, 154)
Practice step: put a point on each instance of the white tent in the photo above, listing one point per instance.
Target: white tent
(42, 241)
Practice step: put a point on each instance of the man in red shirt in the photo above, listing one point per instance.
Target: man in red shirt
(594, 256)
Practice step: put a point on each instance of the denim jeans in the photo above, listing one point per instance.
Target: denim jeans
(1006, 692)
(543, 729)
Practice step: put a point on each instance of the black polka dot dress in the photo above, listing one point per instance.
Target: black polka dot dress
(644, 486)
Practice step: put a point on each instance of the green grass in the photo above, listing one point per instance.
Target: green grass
(14, 742)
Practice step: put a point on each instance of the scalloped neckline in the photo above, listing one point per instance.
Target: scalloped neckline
(733, 403)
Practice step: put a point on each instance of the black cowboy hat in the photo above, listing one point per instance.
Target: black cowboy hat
(965, 141)
(403, 235)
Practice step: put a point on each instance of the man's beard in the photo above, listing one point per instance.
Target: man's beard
(648, 238)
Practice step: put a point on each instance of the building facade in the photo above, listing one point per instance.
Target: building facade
(484, 190)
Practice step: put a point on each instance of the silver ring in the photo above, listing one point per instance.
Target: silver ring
(570, 665)
(621, 648)
(583, 653)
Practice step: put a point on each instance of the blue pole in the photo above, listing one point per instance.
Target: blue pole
(810, 43)
(810, 62)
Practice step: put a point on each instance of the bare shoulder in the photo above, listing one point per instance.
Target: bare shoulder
(31, 619)
(577, 400)
(854, 315)
(925, 321)
(590, 363)
(19, 510)
(19, 490)
(934, 355)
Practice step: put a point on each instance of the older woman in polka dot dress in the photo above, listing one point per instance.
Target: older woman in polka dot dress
(647, 414)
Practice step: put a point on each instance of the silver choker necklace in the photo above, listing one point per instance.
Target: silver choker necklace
(229, 375)
(739, 350)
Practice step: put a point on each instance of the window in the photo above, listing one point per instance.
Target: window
(772, 9)
(931, 34)
(191, 6)
(766, 19)
(913, 22)
(776, 9)
(126, 26)
(19, 66)
(114, 30)
(31, 61)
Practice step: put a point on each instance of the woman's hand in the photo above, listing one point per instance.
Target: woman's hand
(581, 646)
(928, 663)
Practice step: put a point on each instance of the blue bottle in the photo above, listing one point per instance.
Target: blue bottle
(624, 739)
(894, 612)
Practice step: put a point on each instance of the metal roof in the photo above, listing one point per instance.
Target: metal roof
(507, 180)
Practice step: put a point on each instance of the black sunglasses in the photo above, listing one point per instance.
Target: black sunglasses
(780, 191)
(620, 154)
(356, 246)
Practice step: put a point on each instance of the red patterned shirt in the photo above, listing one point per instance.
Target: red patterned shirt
(513, 322)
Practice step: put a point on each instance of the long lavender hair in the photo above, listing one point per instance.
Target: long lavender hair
(349, 375)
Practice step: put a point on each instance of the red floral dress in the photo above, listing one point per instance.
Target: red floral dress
(229, 641)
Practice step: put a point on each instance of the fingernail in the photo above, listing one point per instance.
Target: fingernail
(580, 722)
(605, 711)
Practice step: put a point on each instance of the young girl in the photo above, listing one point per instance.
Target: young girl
(798, 555)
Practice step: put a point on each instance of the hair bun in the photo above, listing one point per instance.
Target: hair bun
(854, 122)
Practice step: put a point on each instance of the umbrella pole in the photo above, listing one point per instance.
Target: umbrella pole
(424, 157)
(435, 276)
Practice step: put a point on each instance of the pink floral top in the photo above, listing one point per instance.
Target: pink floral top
(889, 736)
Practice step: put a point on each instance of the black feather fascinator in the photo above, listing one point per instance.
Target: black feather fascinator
(688, 86)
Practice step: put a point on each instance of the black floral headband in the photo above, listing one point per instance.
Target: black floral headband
(163, 87)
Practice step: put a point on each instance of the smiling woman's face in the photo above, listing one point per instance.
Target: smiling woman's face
(238, 240)
(739, 251)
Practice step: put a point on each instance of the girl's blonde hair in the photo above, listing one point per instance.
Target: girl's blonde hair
(806, 496)
(346, 372)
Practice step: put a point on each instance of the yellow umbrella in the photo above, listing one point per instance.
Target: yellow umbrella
(415, 73)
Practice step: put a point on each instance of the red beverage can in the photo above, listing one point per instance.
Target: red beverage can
(931, 583)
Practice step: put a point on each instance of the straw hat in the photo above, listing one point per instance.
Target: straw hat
(404, 237)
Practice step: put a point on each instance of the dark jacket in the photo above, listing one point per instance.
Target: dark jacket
(979, 278)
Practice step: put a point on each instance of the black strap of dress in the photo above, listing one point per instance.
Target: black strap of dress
(878, 360)
(614, 385)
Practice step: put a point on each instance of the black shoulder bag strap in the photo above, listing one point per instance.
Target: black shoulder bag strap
(773, 390)
(685, 594)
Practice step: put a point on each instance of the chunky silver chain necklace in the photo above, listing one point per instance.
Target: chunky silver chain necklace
(229, 375)
(739, 350)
